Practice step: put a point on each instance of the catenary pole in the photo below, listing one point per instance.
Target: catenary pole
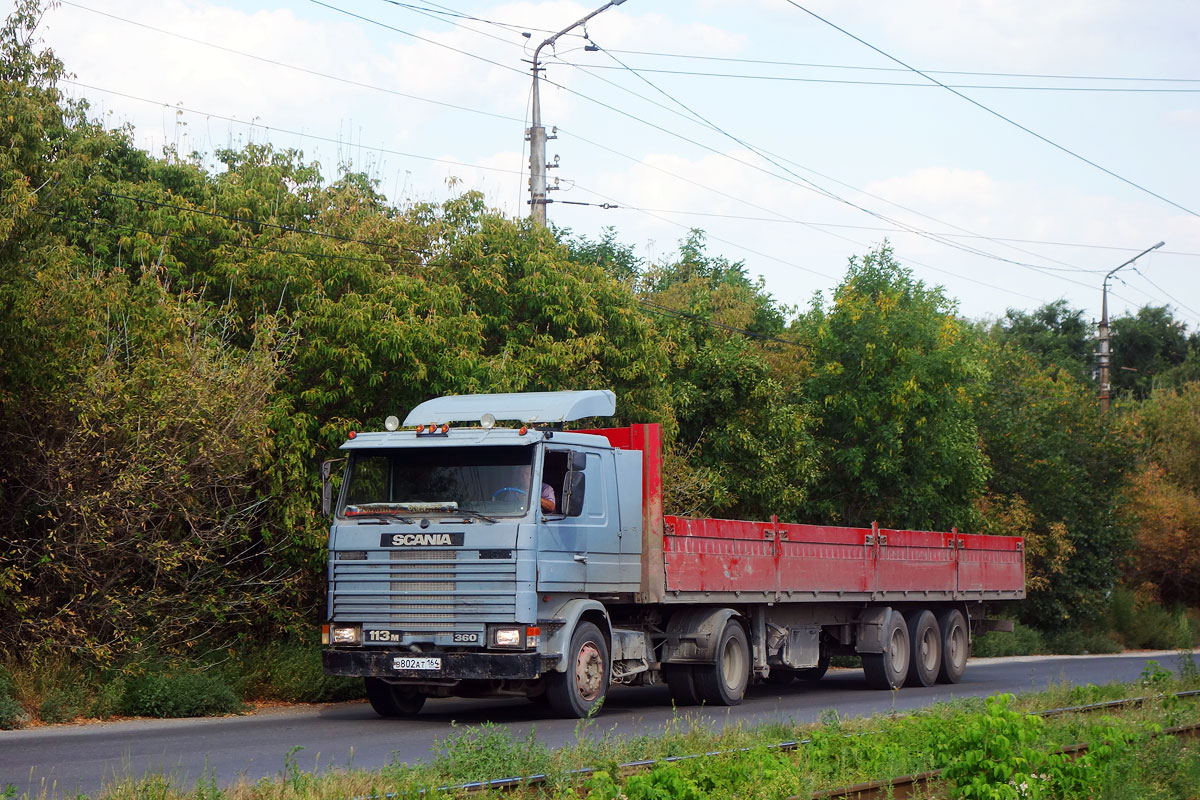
(1105, 352)
(537, 133)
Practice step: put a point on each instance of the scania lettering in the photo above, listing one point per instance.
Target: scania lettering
(558, 600)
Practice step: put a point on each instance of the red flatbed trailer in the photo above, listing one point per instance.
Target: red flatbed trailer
(860, 589)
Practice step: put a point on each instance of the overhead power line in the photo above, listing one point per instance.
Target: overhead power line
(997, 114)
(812, 186)
(805, 183)
(900, 84)
(285, 65)
(700, 57)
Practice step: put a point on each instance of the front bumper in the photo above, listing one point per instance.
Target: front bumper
(455, 666)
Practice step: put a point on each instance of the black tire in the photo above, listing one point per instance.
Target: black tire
(781, 676)
(724, 683)
(580, 691)
(681, 681)
(956, 645)
(817, 672)
(888, 670)
(925, 648)
(393, 701)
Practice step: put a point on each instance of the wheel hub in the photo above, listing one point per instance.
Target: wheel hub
(589, 672)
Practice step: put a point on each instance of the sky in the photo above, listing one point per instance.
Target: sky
(794, 134)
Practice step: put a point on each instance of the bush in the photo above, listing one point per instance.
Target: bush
(63, 704)
(291, 673)
(11, 714)
(181, 694)
(1023, 641)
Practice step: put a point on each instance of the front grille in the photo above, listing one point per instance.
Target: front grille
(425, 591)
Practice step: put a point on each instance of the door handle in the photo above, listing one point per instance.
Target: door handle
(582, 559)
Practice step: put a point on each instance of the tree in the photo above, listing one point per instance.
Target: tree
(1146, 346)
(1055, 334)
(1054, 454)
(894, 380)
(1163, 497)
(744, 432)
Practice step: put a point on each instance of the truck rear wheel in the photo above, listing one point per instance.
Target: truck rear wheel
(681, 681)
(925, 654)
(887, 670)
(580, 690)
(724, 683)
(956, 645)
(392, 700)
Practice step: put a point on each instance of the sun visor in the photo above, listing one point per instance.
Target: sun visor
(531, 408)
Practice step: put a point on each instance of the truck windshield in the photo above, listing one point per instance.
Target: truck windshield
(488, 480)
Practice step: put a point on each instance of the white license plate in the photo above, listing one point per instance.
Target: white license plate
(405, 662)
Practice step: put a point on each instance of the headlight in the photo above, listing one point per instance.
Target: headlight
(345, 634)
(506, 637)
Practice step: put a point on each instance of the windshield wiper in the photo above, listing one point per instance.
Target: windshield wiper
(383, 517)
(470, 514)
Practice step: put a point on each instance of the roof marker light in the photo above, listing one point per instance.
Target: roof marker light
(445, 427)
(351, 434)
(524, 430)
(420, 429)
(392, 422)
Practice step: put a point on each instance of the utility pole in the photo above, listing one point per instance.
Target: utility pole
(537, 134)
(1105, 352)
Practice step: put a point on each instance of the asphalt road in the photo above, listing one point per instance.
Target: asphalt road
(64, 760)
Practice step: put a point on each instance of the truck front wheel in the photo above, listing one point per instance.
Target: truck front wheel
(392, 700)
(887, 670)
(579, 691)
(724, 683)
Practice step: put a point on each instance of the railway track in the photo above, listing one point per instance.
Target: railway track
(898, 787)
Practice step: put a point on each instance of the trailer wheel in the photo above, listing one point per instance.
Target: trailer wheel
(724, 683)
(925, 654)
(955, 645)
(392, 700)
(887, 670)
(681, 681)
(581, 690)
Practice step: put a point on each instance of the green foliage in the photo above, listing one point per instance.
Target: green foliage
(744, 434)
(1146, 346)
(486, 752)
(1163, 496)
(1023, 641)
(11, 713)
(288, 672)
(894, 381)
(998, 756)
(1050, 446)
(1057, 336)
(179, 694)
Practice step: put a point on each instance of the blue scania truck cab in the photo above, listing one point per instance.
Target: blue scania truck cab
(447, 577)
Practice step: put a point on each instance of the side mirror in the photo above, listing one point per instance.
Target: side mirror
(573, 494)
(327, 486)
